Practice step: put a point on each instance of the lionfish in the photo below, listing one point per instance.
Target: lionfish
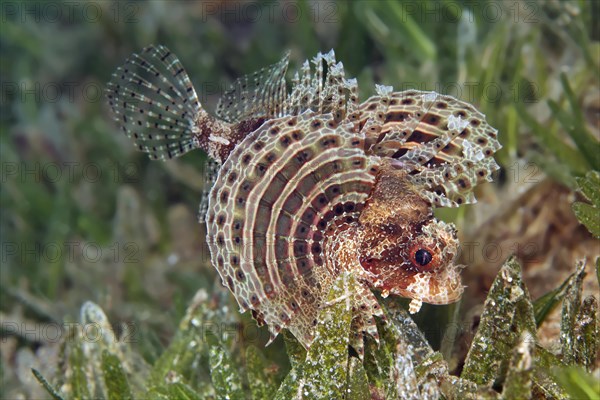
(311, 183)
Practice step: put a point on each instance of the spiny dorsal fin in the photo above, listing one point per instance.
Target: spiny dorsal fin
(325, 91)
(261, 94)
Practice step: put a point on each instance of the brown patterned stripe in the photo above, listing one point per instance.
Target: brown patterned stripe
(274, 195)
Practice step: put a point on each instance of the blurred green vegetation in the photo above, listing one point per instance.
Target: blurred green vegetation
(86, 218)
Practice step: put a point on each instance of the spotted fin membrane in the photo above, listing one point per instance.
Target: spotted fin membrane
(445, 143)
(155, 103)
(263, 94)
(309, 183)
(260, 94)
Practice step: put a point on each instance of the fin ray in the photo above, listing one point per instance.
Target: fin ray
(155, 103)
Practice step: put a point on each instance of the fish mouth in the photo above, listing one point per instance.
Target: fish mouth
(441, 288)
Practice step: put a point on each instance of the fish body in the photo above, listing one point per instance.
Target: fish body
(310, 183)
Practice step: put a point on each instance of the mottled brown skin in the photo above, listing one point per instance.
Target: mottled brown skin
(380, 246)
(395, 224)
(231, 133)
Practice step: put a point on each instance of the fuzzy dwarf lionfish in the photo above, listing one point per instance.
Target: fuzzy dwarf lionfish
(311, 183)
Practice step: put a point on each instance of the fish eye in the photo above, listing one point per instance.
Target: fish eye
(423, 257)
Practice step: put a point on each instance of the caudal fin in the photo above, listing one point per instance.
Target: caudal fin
(155, 104)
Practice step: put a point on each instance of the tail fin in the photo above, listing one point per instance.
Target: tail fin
(155, 103)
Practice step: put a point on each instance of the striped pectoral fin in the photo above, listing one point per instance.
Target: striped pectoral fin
(259, 94)
(276, 199)
(445, 143)
(425, 154)
(448, 177)
(291, 303)
(155, 103)
(452, 185)
(298, 311)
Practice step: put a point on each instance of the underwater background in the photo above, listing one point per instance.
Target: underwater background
(104, 264)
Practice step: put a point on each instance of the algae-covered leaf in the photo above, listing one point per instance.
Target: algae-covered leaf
(291, 386)
(401, 326)
(182, 391)
(518, 383)
(174, 391)
(579, 326)
(183, 351)
(589, 215)
(590, 187)
(379, 365)
(586, 333)
(543, 382)
(457, 388)
(79, 380)
(570, 311)
(295, 351)
(93, 318)
(49, 388)
(224, 374)
(96, 364)
(403, 358)
(196, 359)
(404, 375)
(327, 360)
(324, 372)
(97, 337)
(545, 304)
(186, 355)
(114, 377)
(507, 315)
(394, 366)
(358, 383)
(262, 385)
(435, 382)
